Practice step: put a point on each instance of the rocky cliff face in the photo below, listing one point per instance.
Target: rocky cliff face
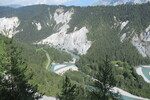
(142, 42)
(8, 26)
(73, 28)
(75, 41)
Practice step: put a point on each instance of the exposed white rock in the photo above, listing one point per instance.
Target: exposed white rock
(147, 29)
(116, 22)
(123, 24)
(6, 77)
(75, 41)
(8, 26)
(38, 25)
(142, 42)
(136, 41)
(115, 18)
(146, 37)
(50, 16)
(63, 17)
(75, 28)
(47, 98)
(123, 37)
(47, 24)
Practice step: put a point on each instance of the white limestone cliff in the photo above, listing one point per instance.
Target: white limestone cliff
(142, 41)
(75, 41)
(123, 24)
(8, 26)
(38, 25)
(63, 17)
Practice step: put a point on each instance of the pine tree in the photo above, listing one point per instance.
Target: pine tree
(68, 90)
(104, 82)
(13, 73)
(82, 93)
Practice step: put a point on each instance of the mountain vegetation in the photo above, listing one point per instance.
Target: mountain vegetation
(13, 74)
(68, 90)
(104, 82)
(36, 60)
(105, 26)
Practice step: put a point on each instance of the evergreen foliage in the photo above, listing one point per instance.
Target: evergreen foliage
(47, 81)
(82, 93)
(13, 73)
(104, 32)
(104, 82)
(127, 79)
(79, 77)
(68, 90)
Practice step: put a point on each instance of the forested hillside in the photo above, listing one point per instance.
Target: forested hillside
(104, 25)
(120, 32)
(36, 60)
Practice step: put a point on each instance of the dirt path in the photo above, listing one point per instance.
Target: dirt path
(48, 57)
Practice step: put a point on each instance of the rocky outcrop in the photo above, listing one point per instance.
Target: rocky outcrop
(123, 24)
(63, 17)
(142, 42)
(122, 38)
(38, 25)
(8, 26)
(75, 41)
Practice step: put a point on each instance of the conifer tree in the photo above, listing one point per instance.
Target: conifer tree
(104, 82)
(68, 90)
(82, 93)
(13, 73)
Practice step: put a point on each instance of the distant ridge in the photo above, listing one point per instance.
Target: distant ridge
(13, 5)
(118, 2)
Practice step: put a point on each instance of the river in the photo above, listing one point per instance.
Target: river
(124, 95)
(146, 72)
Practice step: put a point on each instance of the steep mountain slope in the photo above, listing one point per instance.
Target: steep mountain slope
(37, 27)
(122, 32)
(36, 60)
